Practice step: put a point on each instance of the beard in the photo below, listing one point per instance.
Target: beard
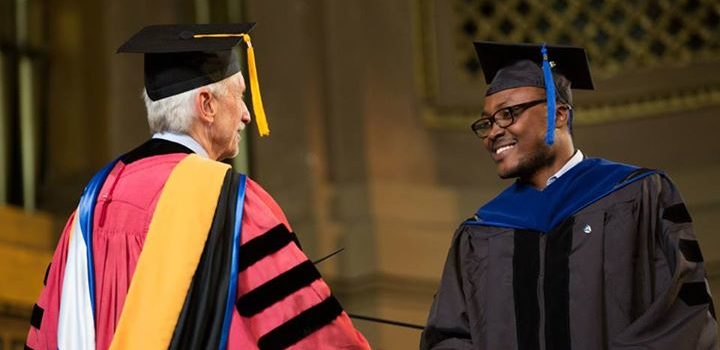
(230, 148)
(234, 147)
(528, 165)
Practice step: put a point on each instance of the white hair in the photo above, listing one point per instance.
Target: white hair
(176, 113)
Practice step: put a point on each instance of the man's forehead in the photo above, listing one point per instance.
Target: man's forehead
(237, 82)
(242, 82)
(514, 95)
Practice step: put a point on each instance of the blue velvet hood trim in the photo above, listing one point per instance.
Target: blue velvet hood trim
(524, 207)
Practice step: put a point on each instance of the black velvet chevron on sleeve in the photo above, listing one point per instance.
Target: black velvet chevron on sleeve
(47, 272)
(696, 293)
(301, 325)
(279, 288)
(37, 316)
(690, 249)
(268, 243)
(677, 213)
(201, 319)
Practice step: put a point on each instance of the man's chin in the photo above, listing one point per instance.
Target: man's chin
(235, 150)
(232, 155)
(507, 173)
(229, 155)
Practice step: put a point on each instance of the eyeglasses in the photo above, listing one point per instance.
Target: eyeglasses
(503, 117)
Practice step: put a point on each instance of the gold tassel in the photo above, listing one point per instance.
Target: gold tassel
(260, 118)
(258, 108)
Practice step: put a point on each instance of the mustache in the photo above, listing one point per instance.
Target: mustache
(500, 141)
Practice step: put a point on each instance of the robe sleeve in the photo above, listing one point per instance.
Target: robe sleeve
(283, 302)
(44, 319)
(448, 325)
(673, 305)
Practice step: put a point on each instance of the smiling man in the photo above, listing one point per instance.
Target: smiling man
(578, 253)
(169, 248)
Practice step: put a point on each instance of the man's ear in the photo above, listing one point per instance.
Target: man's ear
(206, 105)
(562, 116)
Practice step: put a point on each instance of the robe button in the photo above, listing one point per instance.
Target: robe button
(587, 229)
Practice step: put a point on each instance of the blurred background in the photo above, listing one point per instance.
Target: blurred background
(369, 104)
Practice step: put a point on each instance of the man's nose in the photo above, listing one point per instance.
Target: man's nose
(495, 132)
(245, 114)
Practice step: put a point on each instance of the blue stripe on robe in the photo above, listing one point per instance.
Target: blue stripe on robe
(524, 207)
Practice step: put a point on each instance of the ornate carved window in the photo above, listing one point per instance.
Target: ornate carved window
(647, 57)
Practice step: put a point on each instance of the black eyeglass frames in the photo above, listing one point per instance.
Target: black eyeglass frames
(503, 117)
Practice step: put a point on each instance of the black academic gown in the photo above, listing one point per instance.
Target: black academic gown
(621, 270)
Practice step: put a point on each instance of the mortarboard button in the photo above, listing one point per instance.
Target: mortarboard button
(186, 35)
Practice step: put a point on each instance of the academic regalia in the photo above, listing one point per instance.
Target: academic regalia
(281, 299)
(617, 266)
(170, 250)
(604, 257)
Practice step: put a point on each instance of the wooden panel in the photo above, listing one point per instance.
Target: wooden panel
(26, 244)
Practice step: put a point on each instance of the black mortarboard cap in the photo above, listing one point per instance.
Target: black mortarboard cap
(176, 60)
(180, 58)
(508, 66)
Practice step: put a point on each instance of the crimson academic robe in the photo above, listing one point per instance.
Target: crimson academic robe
(281, 300)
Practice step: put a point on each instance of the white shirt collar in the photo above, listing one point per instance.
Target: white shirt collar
(183, 139)
(574, 160)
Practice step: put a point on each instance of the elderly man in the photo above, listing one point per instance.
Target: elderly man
(578, 253)
(169, 248)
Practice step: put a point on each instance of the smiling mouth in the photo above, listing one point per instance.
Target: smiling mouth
(502, 149)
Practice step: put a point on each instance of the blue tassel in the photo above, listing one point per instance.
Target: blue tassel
(550, 95)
